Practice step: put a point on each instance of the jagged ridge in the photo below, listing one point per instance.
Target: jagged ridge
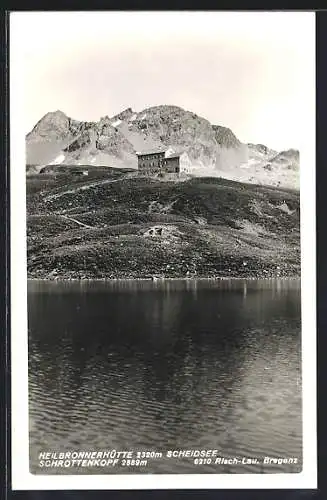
(211, 149)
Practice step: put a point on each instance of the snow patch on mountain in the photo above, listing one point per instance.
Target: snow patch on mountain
(58, 160)
(116, 123)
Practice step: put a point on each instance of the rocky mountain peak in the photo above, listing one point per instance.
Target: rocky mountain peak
(124, 115)
(260, 148)
(225, 137)
(288, 155)
(291, 153)
(164, 109)
(212, 150)
(53, 124)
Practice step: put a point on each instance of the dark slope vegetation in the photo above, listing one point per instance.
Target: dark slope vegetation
(120, 226)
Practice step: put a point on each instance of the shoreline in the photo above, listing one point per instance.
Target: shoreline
(220, 278)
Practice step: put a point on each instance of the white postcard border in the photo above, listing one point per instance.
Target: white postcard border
(22, 479)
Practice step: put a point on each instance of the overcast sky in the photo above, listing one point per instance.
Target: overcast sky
(252, 72)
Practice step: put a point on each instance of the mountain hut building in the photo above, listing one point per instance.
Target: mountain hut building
(157, 163)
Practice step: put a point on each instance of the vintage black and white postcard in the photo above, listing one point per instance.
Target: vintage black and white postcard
(162, 250)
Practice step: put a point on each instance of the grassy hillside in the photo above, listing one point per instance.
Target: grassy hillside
(118, 225)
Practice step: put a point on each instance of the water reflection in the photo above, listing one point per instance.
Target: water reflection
(164, 365)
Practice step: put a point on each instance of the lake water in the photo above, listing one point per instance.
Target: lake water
(162, 366)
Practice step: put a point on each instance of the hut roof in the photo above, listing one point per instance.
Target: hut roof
(144, 153)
